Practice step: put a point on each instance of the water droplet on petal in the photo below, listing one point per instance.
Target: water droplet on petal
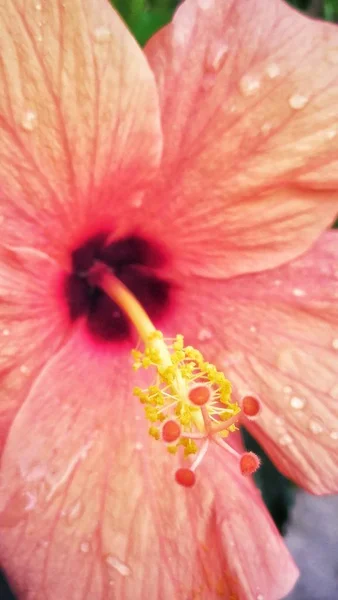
(266, 128)
(316, 425)
(137, 200)
(285, 440)
(335, 344)
(260, 597)
(24, 370)
(330, 134)
(29, 120)
(205, 4)
(118, 565)
(249, 85)
(298, 101)
(138, 446)
(102, 34)
(216, 56)
(334, 434)
(279, 421)
(287, 389)
(5, 332)
(297, 403)
(85, 547)
(204, 335)
(253, 329)
(38, 6)
(298, 292)
(75, 512)
(273, 70)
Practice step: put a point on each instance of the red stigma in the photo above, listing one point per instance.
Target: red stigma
(185, 477)
(250, 406)
(171, 431)
(249, 463)
(199, 395)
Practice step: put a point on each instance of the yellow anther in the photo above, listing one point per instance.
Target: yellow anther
(178, 369)
(154, 432)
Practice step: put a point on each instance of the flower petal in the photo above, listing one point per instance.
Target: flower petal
(88, 491)
(79, 119)
(249, 96)
(275, 334)
(32, 326)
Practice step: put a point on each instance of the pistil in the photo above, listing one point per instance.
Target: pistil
(189, 403)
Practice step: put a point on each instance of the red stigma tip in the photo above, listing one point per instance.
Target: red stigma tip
(171, 431)
(185, 477)
(199, 395)
(251, 406)
(249, 463)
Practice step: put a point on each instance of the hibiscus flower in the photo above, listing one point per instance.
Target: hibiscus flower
(186, 187)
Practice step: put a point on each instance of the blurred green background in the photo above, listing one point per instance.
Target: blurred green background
(145, 17)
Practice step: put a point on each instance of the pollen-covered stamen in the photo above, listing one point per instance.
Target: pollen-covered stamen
(199, 395)
(189, 402)
(171, 431)
(251, 406)
(249, 463)
(185, 477)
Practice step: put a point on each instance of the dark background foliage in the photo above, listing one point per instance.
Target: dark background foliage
(144, 18)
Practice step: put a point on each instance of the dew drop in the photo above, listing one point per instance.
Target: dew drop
(273, 70)
(279, 421)
(298, 292)
(285, 439)
(119, 566)
(249, 85)
(335, 344)
(298, 101)
(29, 120)
(253, 329)
(297, 403)
(216, 56)
(137, 201)
(75, 512)
(85, 547)
(266, 128)
(102, 34)
(260, 597)
(38, 6)
(334, 434)
(330, 134)
(138, 446)
(316, 425)
(24, 370)
(205, 4)
(5, 332)
(204, 335)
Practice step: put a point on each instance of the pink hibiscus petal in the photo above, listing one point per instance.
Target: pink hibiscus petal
(32, 326)
(249, 95)
(275, 335)
(89, 507)
(79, 119)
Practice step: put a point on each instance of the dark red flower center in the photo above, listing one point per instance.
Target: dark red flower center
(137, 263)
